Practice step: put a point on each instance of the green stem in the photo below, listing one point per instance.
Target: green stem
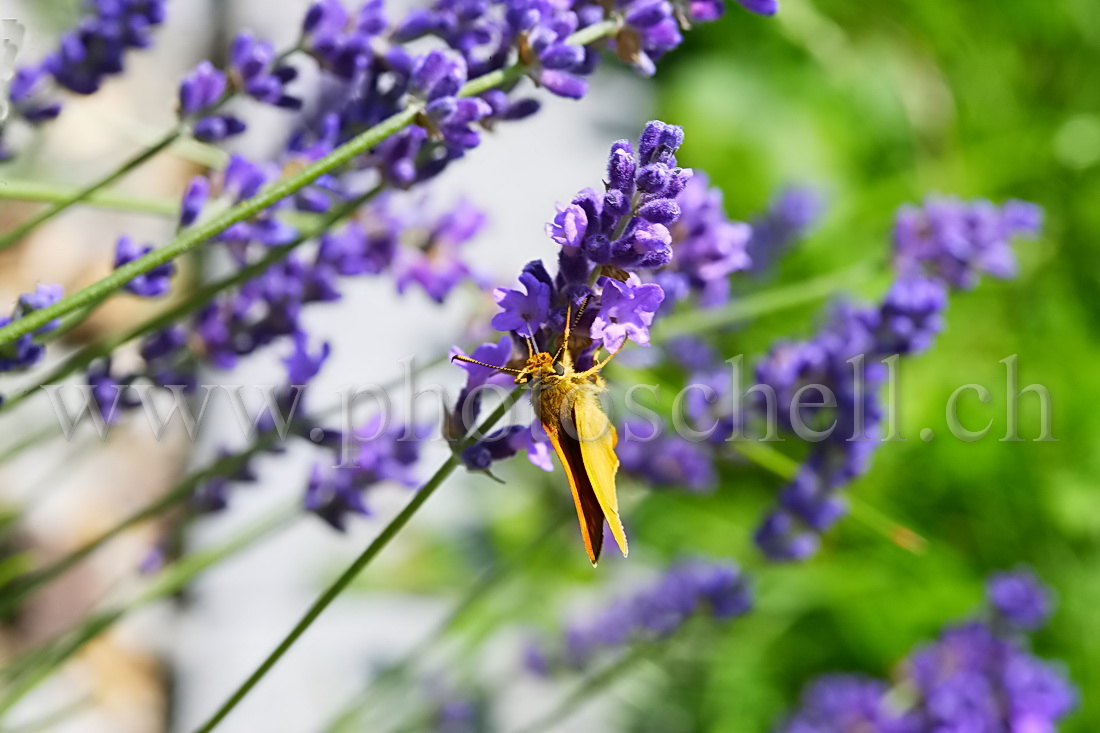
(482, 586)
(202, 232)
(337, 587)
(55, 193)
(27, 673)
(758, 304)
(201, 297)
(10, 238)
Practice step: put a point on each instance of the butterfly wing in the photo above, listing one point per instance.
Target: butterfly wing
(597, 438)
(590, 513)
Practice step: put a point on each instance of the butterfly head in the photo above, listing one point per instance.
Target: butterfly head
(539, 366)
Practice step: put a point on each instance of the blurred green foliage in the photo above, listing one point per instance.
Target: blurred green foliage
(879, 104)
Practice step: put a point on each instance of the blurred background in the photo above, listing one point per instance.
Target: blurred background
(874, 105)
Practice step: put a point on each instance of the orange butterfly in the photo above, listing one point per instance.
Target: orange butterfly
(568, 406)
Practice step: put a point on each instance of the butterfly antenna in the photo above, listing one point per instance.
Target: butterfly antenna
(530, 343)
(569, 323)
(467, 359)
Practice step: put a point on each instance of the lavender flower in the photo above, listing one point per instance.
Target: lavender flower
(151, 284)
(843, 703)
(946, 244)
(809, 504)
(667, 461)
(194, 198)
(468, 406)
(626, 311)
(255, 69)
(707, 247)
(650, 31)
(334, 493)
(96, 48)
(1019, 599)
(302, 365)
(200, 91)
(970, 679)
(760, 7)
(911, 315)
(506, 443)
(25, 352)
(437, 264)
(109, 393)
(686, 589)
(957, 241)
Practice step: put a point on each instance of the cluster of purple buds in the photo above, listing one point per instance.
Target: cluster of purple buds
(167, 362)
(956, 241)
(30, 101)
(687, 589)
(972, 678)
(651, 28)
(342, 43)
(390, 455)
(1018, 601)
(627, 226)
(554, 64)
(706, 247)
(842, 359)
(97, 47)
(256, 70)
(151, 284)
(847, 357)
(200, 92)
(86, 55)
(665, 460)
(26, 351)
(302, 364)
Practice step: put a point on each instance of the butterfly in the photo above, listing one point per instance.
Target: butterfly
(567, 403)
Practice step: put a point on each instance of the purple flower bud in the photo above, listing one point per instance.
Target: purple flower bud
(563, 83)
(194, 198)
(660, 211)
(645, 13)
(598, 249)
(436, 74)
(659, 142)
(705, 11)
(616, 204)
(562, 56)
(301, 365)
(1020, 599)
(151, 284)
(654, 179)
(243, 179)
(621, 167)
(202, 88)
(217, 128)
